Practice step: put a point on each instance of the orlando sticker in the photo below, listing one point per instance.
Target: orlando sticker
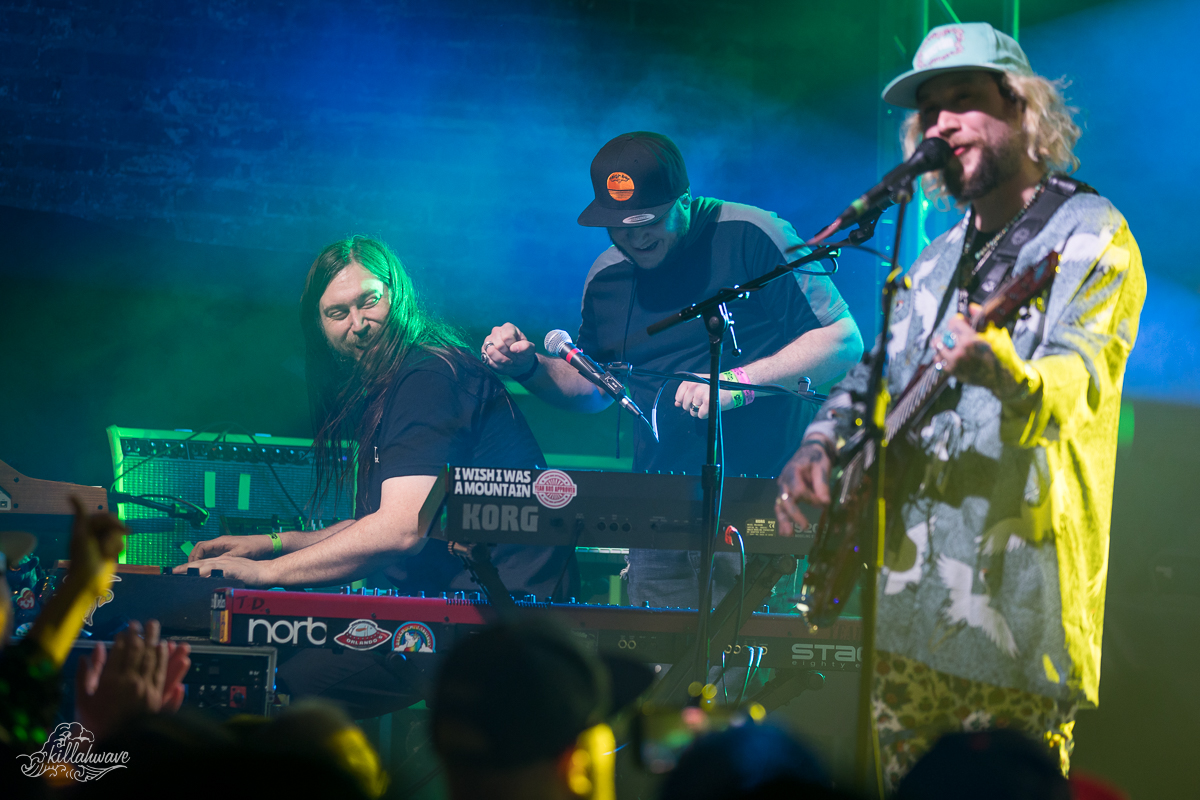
(363, 634)
(413, 637)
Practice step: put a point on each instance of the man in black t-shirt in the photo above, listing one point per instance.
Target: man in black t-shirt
(384, 374)
(670, 250)
(452, 410)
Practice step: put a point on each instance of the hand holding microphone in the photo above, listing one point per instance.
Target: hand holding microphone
(558, 343)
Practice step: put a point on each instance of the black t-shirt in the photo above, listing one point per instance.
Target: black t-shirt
(727, 244)
(459, 413)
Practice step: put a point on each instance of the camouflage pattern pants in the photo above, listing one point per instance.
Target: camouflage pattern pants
(914, 705)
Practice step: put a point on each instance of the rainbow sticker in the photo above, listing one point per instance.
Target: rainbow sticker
(414, 637)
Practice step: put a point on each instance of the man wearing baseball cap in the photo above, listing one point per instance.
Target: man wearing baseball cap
(520, 710)
(991, 601)
(670, 249)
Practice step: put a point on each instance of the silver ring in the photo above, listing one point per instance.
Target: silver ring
(483, 357)
(695, 407)
(486, 345)
(784, 496)
(949, 340)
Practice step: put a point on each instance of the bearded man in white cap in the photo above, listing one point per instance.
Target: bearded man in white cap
(991, 601)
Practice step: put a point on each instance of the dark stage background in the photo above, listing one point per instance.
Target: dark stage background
(169, 169)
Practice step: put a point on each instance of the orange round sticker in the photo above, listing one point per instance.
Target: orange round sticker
(620, 186)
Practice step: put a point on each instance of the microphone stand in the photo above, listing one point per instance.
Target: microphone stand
(629, 370)
(195, 515)
(717, 320)
(867, 766)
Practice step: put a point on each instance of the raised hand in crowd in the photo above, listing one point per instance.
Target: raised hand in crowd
(96, 541)
(142, 675)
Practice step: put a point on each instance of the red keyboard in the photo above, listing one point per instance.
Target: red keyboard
(416, 625)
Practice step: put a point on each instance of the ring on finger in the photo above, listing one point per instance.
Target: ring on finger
(784, 497)
(486, 345)
(949, 340)
(483, 357)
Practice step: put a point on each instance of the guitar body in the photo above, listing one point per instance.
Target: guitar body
(836, 560)
(838, 557)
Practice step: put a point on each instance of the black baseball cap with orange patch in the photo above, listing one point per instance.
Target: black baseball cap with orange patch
(637, 177)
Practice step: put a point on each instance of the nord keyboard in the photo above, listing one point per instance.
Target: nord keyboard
(583, 508)
(426, 625)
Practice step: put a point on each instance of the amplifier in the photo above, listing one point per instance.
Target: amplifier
(225, 681)
(247, 484)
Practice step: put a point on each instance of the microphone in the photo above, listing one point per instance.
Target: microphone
(178, 509)
(931, 154)
(558, 343)
(196, 516)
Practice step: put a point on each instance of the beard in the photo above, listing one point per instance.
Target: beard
(998, 161)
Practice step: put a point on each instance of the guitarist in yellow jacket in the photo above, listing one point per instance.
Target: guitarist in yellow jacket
(991, 601)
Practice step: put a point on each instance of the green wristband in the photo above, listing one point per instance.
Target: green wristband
(276, 544)
(738, 396)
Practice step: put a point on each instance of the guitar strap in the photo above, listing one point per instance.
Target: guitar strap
(999, 263)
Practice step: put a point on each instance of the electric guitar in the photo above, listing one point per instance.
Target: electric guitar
(836, 560)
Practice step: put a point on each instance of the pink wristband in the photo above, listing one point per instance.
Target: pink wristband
(740, 374)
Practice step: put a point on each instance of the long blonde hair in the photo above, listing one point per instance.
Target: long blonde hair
(1047, 120)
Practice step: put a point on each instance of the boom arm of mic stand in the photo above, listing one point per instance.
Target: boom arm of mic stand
(627, 369)
(865, 226)
(724, 296)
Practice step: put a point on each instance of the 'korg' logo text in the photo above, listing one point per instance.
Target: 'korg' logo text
(492, 517)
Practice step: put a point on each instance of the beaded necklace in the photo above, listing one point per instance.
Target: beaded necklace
(982, 253)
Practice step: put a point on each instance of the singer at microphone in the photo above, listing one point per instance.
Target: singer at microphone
(669, 250)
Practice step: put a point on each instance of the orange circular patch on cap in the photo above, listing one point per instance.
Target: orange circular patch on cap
(620, 186)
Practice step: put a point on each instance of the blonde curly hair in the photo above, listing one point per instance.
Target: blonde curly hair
(1047, 120)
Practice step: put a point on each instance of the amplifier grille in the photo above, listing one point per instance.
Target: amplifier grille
(228, 475)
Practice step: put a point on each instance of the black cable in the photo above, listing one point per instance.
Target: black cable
(753, 663)
(741, 606)
(270, 466)
(558, 584)
(742, 582)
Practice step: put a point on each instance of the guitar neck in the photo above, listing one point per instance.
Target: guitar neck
(923, 388)
(997, 309)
